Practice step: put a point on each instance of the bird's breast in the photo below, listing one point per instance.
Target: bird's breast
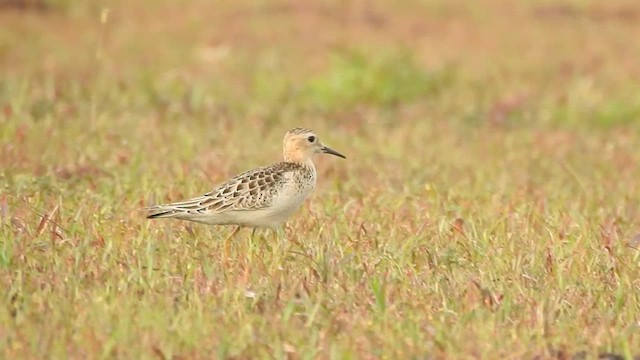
(294, 190)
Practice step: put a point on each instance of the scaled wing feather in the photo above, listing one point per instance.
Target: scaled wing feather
(251, 190)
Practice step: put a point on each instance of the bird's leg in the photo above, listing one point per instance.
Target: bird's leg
(226, 242)
(253, 245)
(281, 240)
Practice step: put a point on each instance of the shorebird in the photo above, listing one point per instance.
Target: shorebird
(263, 197)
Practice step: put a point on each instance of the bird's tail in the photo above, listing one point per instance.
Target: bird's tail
(159, 212)
(173, 210)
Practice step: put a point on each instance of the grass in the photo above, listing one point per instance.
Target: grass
(488, 207)
(374, 79)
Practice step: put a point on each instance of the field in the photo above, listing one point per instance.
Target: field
(489, 205)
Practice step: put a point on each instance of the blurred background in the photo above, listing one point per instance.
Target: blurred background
(201, 71)
(89, 86)
(488, 140)
(497, 62)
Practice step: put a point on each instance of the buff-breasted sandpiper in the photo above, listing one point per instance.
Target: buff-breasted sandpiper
(263, 197)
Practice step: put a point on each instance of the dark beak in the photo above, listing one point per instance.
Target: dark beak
(328, 150)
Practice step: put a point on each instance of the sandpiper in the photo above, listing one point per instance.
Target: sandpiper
(263, 197)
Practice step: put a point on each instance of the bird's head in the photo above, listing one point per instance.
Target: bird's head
(300, 145)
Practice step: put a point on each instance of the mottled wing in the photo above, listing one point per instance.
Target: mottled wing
(251, 190)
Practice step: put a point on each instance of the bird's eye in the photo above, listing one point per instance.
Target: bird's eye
(311, 139)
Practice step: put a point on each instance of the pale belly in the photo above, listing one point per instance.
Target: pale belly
(282, 208)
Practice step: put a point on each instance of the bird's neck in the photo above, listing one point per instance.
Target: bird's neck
(306, 162)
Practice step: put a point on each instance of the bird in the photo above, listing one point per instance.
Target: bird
(263, 197)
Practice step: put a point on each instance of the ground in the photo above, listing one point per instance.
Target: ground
(488, 206)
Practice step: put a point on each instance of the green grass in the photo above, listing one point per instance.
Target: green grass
(374, 79)
(487, 209)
